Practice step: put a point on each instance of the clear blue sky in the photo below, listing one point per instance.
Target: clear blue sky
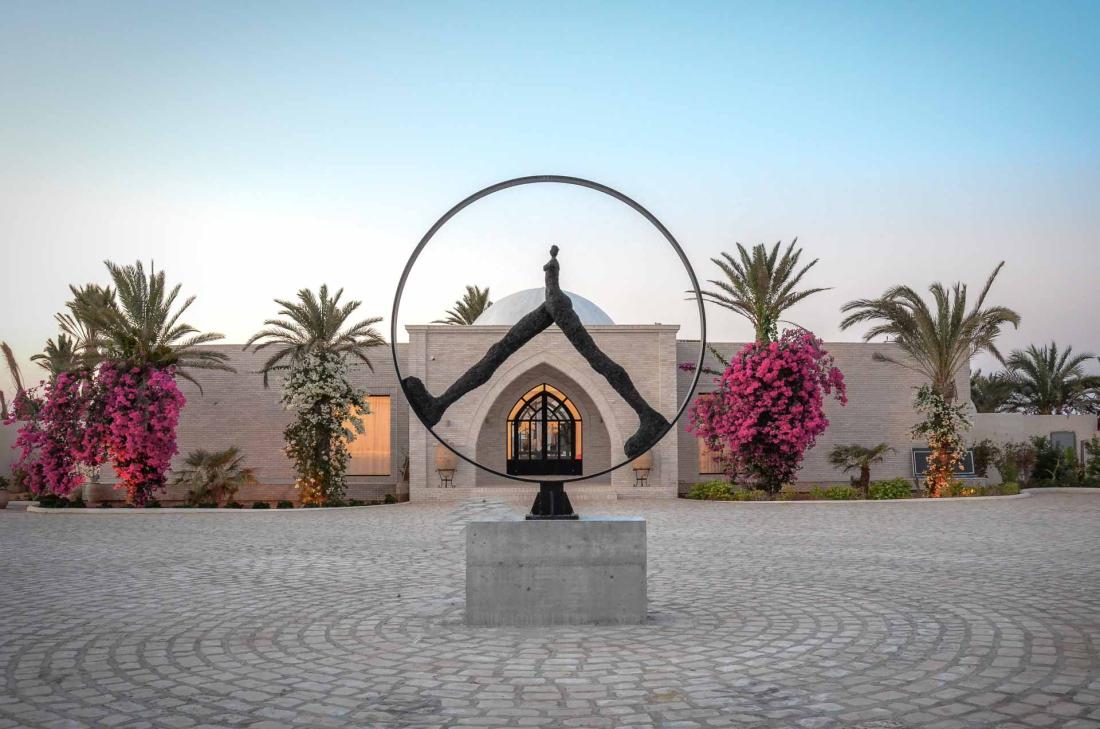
(252, 149)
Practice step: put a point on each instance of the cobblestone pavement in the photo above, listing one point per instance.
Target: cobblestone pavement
(954, 614)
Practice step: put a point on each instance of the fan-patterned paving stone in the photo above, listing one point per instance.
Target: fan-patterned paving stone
(831, 616)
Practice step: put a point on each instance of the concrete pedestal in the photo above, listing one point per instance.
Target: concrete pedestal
(591, 571)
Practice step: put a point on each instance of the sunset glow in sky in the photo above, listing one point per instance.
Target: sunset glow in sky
(254, 149)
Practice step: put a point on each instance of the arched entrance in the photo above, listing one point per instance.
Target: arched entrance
(493, 432)
(544, 434)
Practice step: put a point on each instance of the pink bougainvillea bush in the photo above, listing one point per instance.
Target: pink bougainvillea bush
(768, 409)
(76, 422)
(62, 431)
(142, 408)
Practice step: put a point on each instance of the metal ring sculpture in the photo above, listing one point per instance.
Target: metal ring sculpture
(554, 486)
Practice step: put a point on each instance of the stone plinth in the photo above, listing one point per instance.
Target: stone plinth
(591, 571)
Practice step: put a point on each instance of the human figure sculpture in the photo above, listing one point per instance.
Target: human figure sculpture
(556, 309)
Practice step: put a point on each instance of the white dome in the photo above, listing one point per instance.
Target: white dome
(514, 307)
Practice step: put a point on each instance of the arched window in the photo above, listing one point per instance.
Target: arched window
(544, 434)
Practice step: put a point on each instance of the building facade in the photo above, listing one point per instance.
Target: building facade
(546, 412)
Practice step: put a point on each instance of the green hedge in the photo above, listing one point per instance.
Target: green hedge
(894, 488)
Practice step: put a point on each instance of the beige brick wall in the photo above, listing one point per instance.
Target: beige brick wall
(1017, 427)
(234, 408)
(879, 410)
(7, 453)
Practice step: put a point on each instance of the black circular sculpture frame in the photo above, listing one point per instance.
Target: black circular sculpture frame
(551, 502)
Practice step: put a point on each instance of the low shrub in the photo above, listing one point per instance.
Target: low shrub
(356, 502)
(261, 505)
(390, 499)
(835, 493)
(961, 488)
(1009, 488)
(77, 503)
(106, 505)
(842, 493)
(749, 495)
(52, 501)
(285, 505)
(894, 488)
(234, 505)
(207, 505)
(152, 504)
(787, 493)
(712, 491)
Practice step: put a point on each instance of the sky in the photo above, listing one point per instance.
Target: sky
(252, 149)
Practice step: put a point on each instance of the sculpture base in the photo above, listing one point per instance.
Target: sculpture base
(588, 571)
(551, 502)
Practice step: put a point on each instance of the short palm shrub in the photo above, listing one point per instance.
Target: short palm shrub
(211, 476)
(234, 505)
(894, 488)
(285, 505)
(261, 505)
(860, 458)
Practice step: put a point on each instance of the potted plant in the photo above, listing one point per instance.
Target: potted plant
(95, 492)
(446, 462)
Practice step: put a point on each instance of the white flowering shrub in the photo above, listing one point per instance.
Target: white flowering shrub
(325, 404)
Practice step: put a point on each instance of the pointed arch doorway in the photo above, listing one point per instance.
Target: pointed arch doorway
(544, 434)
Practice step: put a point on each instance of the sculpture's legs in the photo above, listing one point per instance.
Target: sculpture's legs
(651, 423)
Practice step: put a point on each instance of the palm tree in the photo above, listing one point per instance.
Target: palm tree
(77, 321)
(213, 476)
(938, 340)
(990, 393)
(16, 377)
(60, 356)
(1049, 382)
(467, 309)
(850, 457)
(140, 324)
(761, 286)
(317, 322)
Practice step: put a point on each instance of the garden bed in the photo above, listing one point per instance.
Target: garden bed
(58, 504)
(898, 489)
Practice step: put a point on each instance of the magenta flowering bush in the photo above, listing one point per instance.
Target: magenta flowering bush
(61, 433)
(141, 408)
(76, 422)
(768, 409)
